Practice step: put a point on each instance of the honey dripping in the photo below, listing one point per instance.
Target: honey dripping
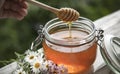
(70, 32)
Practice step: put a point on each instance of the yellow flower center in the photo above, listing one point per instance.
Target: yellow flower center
(37, 65)
(31, 57)
(47, 66)
(20, 73)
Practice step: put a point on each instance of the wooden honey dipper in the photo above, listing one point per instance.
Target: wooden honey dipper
(65, 14)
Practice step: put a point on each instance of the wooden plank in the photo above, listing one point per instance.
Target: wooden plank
(8, 69)
(110, 23)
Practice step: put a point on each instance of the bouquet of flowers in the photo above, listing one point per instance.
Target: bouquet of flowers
(34, 62)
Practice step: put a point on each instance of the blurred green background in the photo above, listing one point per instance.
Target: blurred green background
(17, 35)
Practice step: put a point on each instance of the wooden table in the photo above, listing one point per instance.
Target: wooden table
(110, 24)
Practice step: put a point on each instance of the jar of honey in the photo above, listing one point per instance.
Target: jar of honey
(71, 44)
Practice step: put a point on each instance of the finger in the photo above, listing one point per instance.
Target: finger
(12, 14)
(19, 0)
(11, 5)
(22, 3)
(15, 7)
(17, 15)
(18, 8)
(22, 12)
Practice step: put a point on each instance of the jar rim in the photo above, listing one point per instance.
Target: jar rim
(90, 37)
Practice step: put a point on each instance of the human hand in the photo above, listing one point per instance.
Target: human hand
(13, 9)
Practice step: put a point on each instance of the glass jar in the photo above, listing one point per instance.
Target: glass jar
(76, 52)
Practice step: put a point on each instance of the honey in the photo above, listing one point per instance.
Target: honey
(77, 59)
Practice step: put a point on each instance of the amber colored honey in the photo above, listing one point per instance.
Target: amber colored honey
(77, 59)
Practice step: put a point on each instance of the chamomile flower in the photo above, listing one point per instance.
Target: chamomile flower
(19, 71)
(45, 65)
(40, 51)
(28, 51)
(37, 66)
(31, 56)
